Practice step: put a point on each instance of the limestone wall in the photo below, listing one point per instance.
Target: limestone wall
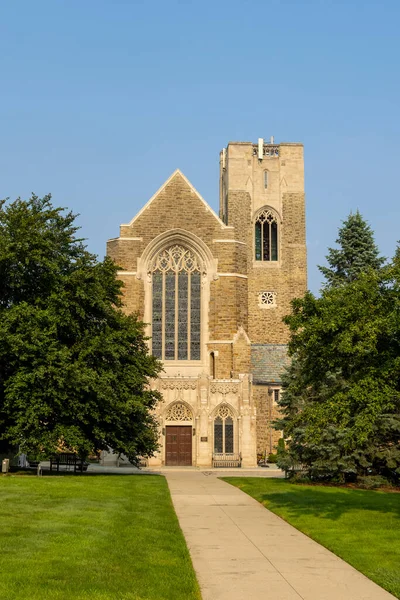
(203, 396)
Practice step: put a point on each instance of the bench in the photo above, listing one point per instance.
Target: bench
(227, 461)
(69, 461)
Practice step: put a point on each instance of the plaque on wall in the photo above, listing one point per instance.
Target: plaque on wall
(204, 439)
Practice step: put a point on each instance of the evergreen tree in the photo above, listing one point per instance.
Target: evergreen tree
(341, 400)
(74, 369)
(357, 252)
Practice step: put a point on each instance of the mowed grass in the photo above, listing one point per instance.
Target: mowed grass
(92, 537)
(362, 527)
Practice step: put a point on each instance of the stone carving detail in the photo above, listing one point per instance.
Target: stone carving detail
(177, 384)
(267, 299)
(224, 388)
(179, 412)
(224, 412)
(266, 215)
(176, 258)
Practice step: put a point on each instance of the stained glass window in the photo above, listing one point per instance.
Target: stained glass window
(218, 435)
(169, 315)
(228, 435)
(274, 240)
(176, 304)
(266, 236)
(258, 240)
(183, 315)
(266, 241)
(223, 431)
(195, 316)
(157, 313)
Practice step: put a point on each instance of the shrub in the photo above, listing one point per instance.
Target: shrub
(373, 482)
(298, 477)
(281, 445)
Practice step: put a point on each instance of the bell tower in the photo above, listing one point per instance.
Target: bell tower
(262, 196)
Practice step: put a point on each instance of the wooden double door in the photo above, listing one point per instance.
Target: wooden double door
(178, 445)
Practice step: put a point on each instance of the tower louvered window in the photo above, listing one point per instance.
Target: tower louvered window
(266, 236)
(176, 322)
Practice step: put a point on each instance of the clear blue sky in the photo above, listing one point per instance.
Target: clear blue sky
(102, 99)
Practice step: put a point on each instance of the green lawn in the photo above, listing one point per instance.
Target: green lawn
(362, 527)
(92, 537)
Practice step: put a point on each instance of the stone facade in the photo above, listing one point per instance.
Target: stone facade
(227, 393)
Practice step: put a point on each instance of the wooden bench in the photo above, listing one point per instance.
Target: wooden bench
(69, 461)
(227, 461)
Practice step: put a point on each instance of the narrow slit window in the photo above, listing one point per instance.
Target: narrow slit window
(265, 179)
(212, 365)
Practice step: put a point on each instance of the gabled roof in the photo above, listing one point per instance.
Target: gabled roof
(176, 173)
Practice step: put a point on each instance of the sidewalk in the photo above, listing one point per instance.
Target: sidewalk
(242, 551)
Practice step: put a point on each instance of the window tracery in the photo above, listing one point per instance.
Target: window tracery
(266, 235)
(223, 431)
(176, 258)
(267, 299)
(176, 305)
(179, 412)
(224, 411)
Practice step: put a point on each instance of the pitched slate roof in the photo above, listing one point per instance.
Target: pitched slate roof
(268, 362)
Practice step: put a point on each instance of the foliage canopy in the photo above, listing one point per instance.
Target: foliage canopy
(341, 400)
(74, 370)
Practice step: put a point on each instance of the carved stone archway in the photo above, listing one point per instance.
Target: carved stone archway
(179, 412)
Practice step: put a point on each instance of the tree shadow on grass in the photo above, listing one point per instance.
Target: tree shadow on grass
(324, 502)
(65, 473)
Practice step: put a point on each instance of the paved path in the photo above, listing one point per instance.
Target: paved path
(242, 551)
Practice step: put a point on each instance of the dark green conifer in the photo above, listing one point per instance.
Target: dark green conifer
(357, 252)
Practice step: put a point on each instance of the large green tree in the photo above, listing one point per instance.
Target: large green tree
(341, 404)
(341, 400)
(357, 252)
(74, 369)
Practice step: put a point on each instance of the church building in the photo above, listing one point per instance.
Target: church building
(212, 290)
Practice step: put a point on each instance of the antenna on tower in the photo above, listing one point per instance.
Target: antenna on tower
(260, 148)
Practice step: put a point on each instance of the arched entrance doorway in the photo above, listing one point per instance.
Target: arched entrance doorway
(178, 435)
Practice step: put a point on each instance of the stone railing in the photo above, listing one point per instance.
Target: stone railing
(269, 150)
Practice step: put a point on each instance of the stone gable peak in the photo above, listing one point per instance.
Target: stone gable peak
(177, 178)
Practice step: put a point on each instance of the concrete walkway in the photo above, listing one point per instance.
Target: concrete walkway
(242, 551)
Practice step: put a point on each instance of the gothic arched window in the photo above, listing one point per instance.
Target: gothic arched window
(266, 235)
(223, 431)
(176, 281)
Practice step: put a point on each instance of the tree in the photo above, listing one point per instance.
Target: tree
(74, 369)
(357, 252)
(341, 400)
